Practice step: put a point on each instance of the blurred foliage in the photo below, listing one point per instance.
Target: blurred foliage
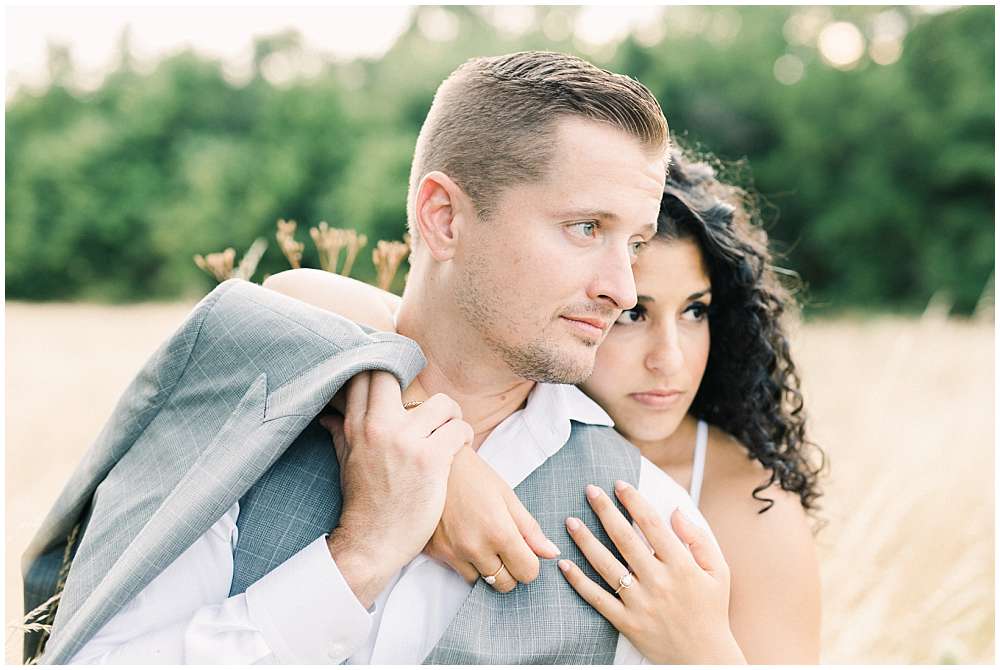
(877, 181)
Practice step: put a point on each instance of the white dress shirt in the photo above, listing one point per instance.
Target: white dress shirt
(303, 611)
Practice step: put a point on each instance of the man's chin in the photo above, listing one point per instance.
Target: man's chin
(566, 369)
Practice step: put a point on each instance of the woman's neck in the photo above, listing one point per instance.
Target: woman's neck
(674, 450)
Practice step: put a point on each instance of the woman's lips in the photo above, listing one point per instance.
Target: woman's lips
(657, 400)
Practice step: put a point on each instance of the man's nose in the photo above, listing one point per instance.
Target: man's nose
(615, 281)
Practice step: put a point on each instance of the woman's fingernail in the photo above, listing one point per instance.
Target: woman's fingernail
(593, 491)
(553, 548)
(684, 519)
(573, 523)
(564, 565)
(621, 485)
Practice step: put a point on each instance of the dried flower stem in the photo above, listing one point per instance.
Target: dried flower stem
(248, 264)
(219, 265)
(329, 241)
(387, 257)
(355, 241)
(286, 241)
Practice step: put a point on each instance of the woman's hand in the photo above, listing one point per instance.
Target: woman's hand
(483, 524)
(676, 610)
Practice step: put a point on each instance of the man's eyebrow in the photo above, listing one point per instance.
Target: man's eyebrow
(650, 228)
(585, 214)
(645, 298)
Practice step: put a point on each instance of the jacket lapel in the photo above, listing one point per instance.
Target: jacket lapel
(239, 453)
(254, 436)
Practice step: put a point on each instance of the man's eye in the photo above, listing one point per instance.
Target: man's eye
(638, 246)
(630, 316)
(586, 228)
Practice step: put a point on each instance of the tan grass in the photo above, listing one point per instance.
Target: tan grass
(904, 409)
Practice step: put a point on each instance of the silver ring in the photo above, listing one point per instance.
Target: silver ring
(625, 582)
(492, 579)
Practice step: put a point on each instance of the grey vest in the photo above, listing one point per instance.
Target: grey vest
(539, 623)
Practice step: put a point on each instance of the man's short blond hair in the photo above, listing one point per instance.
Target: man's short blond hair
(492, 123)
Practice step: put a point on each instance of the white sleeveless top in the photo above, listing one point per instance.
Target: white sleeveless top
(698, 469)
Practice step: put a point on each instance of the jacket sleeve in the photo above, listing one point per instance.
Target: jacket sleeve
(302, 612)
(239, 336)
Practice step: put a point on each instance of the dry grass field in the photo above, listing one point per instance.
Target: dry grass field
(903, 407)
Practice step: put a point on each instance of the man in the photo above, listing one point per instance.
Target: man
(536, 180)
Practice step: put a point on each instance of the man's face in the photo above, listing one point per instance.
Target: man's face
(558, 253)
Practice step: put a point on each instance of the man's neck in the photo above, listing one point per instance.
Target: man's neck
(460, 367)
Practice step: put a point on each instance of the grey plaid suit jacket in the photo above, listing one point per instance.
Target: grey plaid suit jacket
(224, 411)
(209, 413)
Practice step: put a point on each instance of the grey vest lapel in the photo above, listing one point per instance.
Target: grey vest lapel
(546, 622)
(298, 500)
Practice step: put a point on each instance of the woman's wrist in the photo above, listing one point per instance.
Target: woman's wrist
(727, 652)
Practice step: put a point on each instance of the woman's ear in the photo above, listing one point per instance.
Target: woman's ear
(440, 209)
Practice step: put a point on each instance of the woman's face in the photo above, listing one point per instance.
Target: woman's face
(650, 365)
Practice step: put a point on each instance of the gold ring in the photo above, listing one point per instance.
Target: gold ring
(625, 581)
(492, 579)
(412, 404)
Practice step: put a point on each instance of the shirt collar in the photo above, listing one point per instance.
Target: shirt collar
(552, 407)
(529, 436)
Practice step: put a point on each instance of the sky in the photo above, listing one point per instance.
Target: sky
(227, 32)
(344, 32)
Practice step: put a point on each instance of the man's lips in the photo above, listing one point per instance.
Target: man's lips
(592, 325)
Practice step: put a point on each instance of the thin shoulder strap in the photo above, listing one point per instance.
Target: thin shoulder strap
(698, 471)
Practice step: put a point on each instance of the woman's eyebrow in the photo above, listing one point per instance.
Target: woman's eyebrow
(700, 294)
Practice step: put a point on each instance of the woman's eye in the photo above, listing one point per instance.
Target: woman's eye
(630, 316)
(696, 311)
(586, 228)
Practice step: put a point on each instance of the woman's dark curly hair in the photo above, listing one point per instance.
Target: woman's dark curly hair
(750, 388)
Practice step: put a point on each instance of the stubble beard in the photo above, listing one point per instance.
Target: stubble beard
(539, 359)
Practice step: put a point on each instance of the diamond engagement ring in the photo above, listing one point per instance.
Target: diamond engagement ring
(492, 579)
(624, 582)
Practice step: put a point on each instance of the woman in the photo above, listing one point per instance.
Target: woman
(698, 376)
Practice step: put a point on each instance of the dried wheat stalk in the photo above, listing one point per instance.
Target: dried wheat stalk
(286, 241)
(387, 257)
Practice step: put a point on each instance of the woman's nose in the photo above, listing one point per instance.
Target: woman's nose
(665, 353)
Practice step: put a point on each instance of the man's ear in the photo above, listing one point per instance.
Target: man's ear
(440, 209)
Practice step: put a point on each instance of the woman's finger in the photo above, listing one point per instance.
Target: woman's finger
(494, 567)
(633, 549)
(464, 568)
(357, 402)
(608, 605)
(467, 570)
(607, 566)
(705, 552)
(529, 528)
(452, 436)
(521, 562)
(432, 414)
(384, 391)
(334, 424)
(665, 543)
